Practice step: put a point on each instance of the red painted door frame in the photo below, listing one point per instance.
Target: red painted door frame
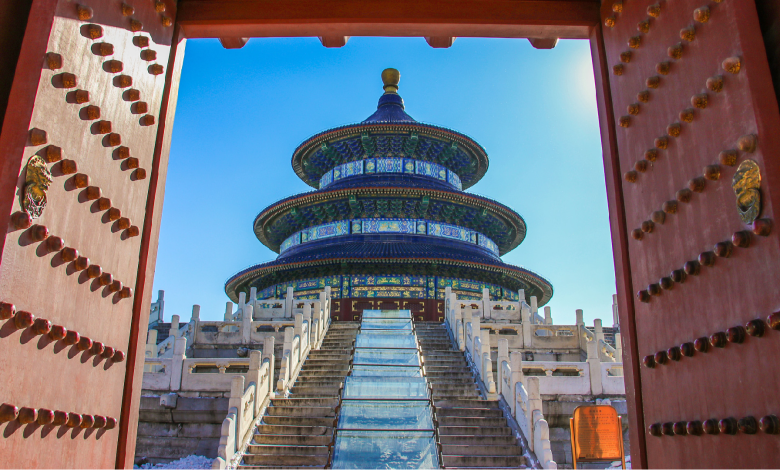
(257, 18)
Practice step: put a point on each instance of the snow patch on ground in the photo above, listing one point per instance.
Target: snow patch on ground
(618, 464)
(191, 461)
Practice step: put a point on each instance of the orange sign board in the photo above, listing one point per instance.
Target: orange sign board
(596, 434)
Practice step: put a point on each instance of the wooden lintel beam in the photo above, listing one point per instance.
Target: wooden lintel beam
(397, 18)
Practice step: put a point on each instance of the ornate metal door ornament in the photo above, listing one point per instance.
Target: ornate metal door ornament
(37, 181)
(746, 184)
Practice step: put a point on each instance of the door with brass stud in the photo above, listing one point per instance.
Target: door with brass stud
(83, 137)
(691, 133)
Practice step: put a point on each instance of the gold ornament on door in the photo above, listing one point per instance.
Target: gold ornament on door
(746, 184)
(37, 181)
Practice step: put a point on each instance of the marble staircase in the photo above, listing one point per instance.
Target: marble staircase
(296, 431)
(473, 432)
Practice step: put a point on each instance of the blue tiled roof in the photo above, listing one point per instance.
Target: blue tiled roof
(361, 246)
(390, 109)
(391, 180)
(395, 250)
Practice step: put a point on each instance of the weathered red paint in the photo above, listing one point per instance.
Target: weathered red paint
(728, 381)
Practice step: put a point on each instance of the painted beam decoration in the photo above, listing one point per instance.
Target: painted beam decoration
(388, 285)
(391, 165)
(401, 226)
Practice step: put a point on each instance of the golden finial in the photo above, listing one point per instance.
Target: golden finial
(390, 78)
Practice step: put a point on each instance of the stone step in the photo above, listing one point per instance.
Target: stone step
(449, 449)
(281, 430)
(318, 383)
(521, 467)
(472, 391)
(471, 421)
(475, 430)
(327, 402)
(271, 449)
(324, 368)
(445, 383)
(322, 373)
(304, 391)
(285, 461)
(477, 440)
(470, 412)
(313, 361)
(447, 394)
(301, 411)
(309, 421)
(293, 440)
(242, 466)
(483, 461)
(328, 352)
(330, 357)
(321, 378)
(434, 375)
(462, 369)
(466, 403)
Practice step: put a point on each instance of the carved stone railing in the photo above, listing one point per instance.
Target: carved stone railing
(245, 406)
(522, 393)
(477, 351)
(523, 396)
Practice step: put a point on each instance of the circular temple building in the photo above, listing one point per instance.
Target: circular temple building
(389, 225)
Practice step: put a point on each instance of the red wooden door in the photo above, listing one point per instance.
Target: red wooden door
(84, 132)
(690, 119)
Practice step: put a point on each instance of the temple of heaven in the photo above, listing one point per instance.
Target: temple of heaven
(389, 225)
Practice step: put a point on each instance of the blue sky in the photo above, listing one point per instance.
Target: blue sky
(241, 113)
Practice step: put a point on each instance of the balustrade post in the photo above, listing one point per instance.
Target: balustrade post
(594, 367)
(268, 355)
(195, 318)
(284, 372)
(619, 347)
(615, 316)
(174, 330)
(534, 308)
(516, 367)
(548, 316)
(253, 375)
(246, 324)
(525, 312)
(228, 311)
(253, 296)
(448, 308)
(151, 343)
(459, 326)
(503, 356)
(289, 302)
(598, 330)
(241, 305)
(177, 363)
(237, 387)
(534, 406)
(475, 333)
(486, 309)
